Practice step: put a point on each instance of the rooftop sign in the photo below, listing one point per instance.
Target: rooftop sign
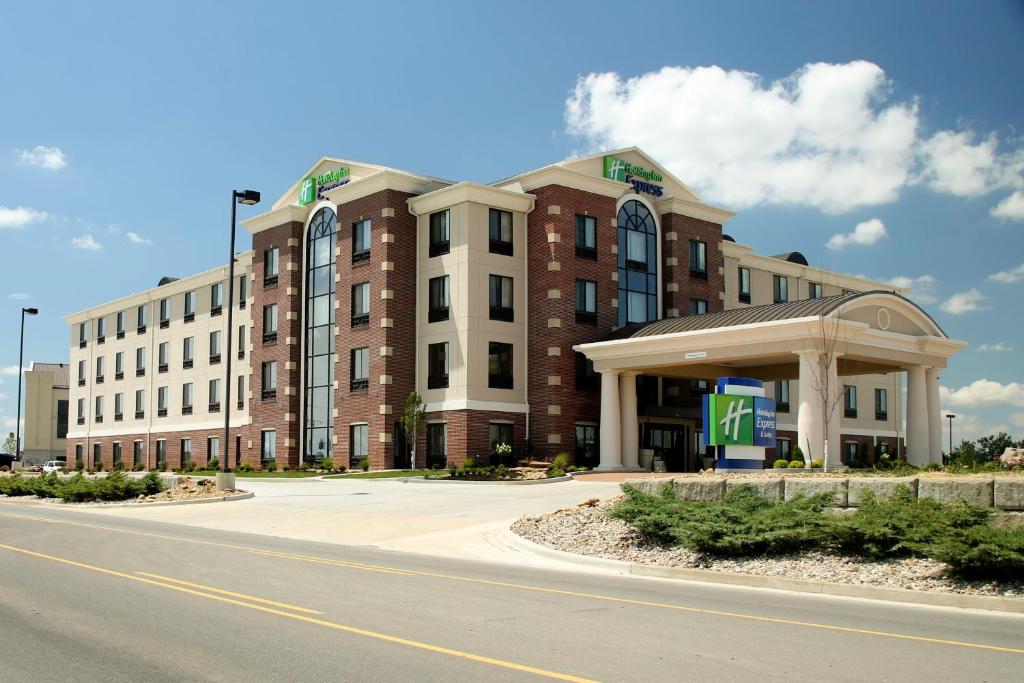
(642, 179)
(313, 187)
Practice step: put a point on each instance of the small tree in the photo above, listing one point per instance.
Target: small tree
(413, 420)
(992, 446)
(11, 444)
(829, 393)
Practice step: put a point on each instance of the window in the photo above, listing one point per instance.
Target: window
(586, 378)
(165, 313)
(137, 455)
(214, 347)
(500, 232)
(360, 369)
(269, 377)
(83, 332)
(268, 445)
(241, 341)
(270, 266)
(186, 451)
(780, 286)
(637, 264)
(79, 453)
(437, 365)
(214, 394)
(243, 293)
(186, 398)
(80, 415)
(361, 241)
(117, 453)
(161, 452)
(782, 396)
(813, 290)
(81, 373)
(101, 330)
(783, 449)
(586, 236)
(161, 402)
(850, 400)
(118, 407)
(499, 433)
(140, 404)
(698, 306)
(188, 351)
(851, 451)
(119, 325)
(216, 298)
(438, 299)
(212, 448)
(161, 356)
(99, 370)
(359, 438)
(97, 455)
(140, 361)
(440, 233)
(698, 259)
(319, 348)
(585, 451)
(270, 323)
(437, 444)
(99, 409)
(744, 285)
(119, 365)
(881, 404)
(361, 304)
(499, 365)
(241, 392)
(500, 298)
(586, 302)
(62, 419)
(140, 318)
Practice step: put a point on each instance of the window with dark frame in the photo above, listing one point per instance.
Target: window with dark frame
(437, 365)
(80, 415)
(99, 369)
(586, 302)
(214, 395)
(190, 306)
(161, 356)
(782, 396)
(119, 332)
(440, 233)
(270, 324)
(637, 264)
(243, 282)
(499, 365)
(186, 398)
(850, 400)
(361, 304)
(361, 231)
(500, 297)
(498, 434)
(360, 369)
(268, 375)
(140, 361)
(137, 455)
(119, 365)
(813, 290)
(271, 258)
(216, 298)
(783, 449)
(186, 451)
(214, 347)
(241, 392)
(161, 402)
(141, 319)
(698, 259)
(586, 236)
(83, 332)
(437, 299)
(586, 452)
(140, 404)
(188, 349)
(437, 444)
(101, 330)
(744, 285)
(98, 415)
(118, 407)
(698, 306)
(881, 404)
(500, 232)
(780, 288)
(268, 445)
(116, 454)
(165, 313)
(320, 352)
(359, 442)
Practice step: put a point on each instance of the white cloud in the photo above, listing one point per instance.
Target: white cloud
(998, 347)
(137, 238)
(984, 392)
(11, 370)
(19, 296)
(10, 422)
(87, 242)
(964, 302)
(922, 289)
(44, 157)
(3, 396)
(865, 234)
(20, 217)
(968, 428)
(1017, 419)
(825, 136)
(1011, 208)
(1009, 276)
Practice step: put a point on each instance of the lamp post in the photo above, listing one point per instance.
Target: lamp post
(225, 477)
(950, 417)
(21, 363)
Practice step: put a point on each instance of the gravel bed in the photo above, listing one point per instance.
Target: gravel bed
(588, 530)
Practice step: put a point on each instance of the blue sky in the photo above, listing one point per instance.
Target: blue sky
(811, 119)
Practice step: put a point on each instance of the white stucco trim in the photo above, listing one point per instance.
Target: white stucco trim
(464, 404)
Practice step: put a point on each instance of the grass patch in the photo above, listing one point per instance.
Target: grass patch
(78, 489)
(254, 474)
(388, 474)
(745, 523)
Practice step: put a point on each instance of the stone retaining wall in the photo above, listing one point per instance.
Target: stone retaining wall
(1005, 493)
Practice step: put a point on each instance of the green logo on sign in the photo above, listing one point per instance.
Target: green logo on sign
(309, 188)
(617, 169)
(731, 419)
(307, 192)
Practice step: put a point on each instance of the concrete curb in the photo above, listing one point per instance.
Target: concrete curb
(984, 602)
(514, 482)
(164, 503)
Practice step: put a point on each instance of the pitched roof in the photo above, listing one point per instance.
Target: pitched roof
(61, 373)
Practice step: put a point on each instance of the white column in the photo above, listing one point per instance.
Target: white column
(611, 445)
(833, 430)
(808, 417)
(630, 425)
(931, 379)
(917, 416)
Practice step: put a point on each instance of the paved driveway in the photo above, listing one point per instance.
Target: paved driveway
(452, 520)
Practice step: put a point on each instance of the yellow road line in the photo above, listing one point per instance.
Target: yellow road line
(311, 620)
(554, 591)
(211, 589)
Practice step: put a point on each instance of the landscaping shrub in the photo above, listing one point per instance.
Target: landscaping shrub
(796, 464)
(327, 464)
(79, 465)
(79, 489)
(138, 467)
(818, 463)
(558, 465)
(162, 465)
(364, 464)
(981, 552)
(244, 467)
(270, 465)
(780, 464)
(213, 463)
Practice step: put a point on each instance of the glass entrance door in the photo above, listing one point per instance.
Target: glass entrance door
(671, 443)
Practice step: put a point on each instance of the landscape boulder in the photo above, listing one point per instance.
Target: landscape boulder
(882, 487)
(1008, 493)
(810, 486)
(769, 488)
(973, 490)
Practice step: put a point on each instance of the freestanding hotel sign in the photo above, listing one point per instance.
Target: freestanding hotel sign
(740, 422)
(313, 187)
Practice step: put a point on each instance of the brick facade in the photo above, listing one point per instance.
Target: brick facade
(469, 434)
(172, 455)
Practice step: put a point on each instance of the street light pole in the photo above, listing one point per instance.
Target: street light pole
(21, 364)
(225, 477)
(950, 416)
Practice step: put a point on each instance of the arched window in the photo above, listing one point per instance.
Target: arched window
(638, 264)
(319, 366)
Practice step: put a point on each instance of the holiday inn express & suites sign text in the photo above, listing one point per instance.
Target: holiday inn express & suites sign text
(642, 179)
(313, 187)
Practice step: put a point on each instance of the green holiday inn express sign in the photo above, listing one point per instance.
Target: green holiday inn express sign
(642, 179)
(310, 188)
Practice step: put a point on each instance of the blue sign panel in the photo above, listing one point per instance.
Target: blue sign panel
(764, 422)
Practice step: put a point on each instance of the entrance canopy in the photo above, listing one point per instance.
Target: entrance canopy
(864, 332)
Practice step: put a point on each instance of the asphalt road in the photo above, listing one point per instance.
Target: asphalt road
(96, 598)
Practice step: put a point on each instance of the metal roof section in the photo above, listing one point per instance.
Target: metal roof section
(61, 373)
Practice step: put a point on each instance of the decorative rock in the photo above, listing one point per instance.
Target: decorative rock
(882, 487)
(702, 488)
(769, 488)
(974, 490)
(649, 485)
(814, 485)
(1008, 494)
